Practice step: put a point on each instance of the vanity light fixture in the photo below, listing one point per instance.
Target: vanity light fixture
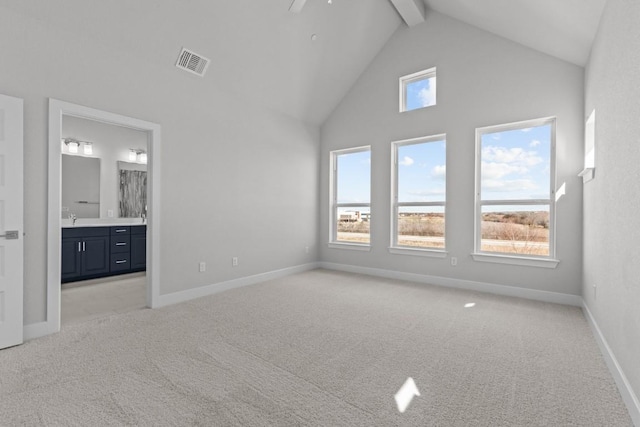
(72, 145)
(87, 148)
(142, 157)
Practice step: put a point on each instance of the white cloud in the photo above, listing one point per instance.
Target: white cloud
(526, 130)
(427, 96)
(406, 161)
(493, 170)
(439, 171)
(513, 156)
(534, 143)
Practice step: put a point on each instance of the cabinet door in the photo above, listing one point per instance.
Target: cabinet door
(138, 252)
(71, 259)
(95, 255)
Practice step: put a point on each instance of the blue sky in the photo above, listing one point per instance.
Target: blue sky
(421, 93)
(422, 172)
(354, 177)
(516, 164)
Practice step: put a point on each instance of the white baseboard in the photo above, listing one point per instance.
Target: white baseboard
(37, 330)
(512, 291)
(627, 393)
(182, 296)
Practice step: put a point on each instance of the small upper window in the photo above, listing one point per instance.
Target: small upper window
(418, 90)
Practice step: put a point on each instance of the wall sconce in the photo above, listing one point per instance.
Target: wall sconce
(72, 145)
(137, 155)
(88, 148)
(142, 157)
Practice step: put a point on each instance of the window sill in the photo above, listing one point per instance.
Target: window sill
(432, 253)
(587, 174)
(516, 260)
(350, 246)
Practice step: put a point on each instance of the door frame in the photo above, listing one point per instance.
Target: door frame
(57, 110)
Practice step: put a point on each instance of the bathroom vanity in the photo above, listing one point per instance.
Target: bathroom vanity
(89, 252)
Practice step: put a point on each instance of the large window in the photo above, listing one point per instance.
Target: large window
(515, 187)
(418, 90)
(351, 196)
(418, 193)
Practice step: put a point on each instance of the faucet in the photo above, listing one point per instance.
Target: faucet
(73, 218)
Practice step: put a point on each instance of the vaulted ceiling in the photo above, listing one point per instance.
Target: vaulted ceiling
(561, 28)
(266, 54)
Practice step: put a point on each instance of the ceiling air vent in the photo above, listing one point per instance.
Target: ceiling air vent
(192, 62)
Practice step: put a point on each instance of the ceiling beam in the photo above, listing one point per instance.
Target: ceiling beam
(412, 11)
(297, 5)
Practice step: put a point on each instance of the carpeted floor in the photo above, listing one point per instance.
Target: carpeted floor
(319, 348)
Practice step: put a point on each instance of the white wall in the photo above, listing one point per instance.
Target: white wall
(482, 80)
(231, 168)
(612, 199)
(111, 144)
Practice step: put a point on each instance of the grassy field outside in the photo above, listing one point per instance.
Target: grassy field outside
(503, 232)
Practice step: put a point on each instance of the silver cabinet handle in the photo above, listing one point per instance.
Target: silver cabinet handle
(79, 247)
(121, 261)
(121, 244)
(121, 230)
(84, 247)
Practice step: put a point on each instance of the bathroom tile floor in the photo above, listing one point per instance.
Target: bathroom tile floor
(91, 299)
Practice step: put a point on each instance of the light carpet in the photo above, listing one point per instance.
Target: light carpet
(319, 348)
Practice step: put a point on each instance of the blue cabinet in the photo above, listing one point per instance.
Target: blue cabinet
(91, 252)
(120, 249)
(85, 253)
(139, 248)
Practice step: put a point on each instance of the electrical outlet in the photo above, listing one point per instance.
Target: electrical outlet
(110, 213)
(234, 261)
(203, 267)
(454, 261)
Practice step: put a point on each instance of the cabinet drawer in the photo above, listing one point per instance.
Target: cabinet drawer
(120, 262)
(81, 232)
(115, 231)
(120, 244)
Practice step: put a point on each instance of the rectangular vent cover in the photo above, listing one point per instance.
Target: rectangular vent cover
(192, 62)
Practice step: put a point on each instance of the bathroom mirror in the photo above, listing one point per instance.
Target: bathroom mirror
(108, 164)
(80, 186)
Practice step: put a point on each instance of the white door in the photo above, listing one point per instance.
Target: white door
(11, 240)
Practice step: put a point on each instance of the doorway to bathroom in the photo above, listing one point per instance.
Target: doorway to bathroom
(103, 219)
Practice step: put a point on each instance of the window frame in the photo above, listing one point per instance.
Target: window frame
(588, 173)
(411, 78)
(547, 261)
(395, 205)
(334, 205)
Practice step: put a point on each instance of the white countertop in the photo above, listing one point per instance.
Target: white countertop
(99, 222)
